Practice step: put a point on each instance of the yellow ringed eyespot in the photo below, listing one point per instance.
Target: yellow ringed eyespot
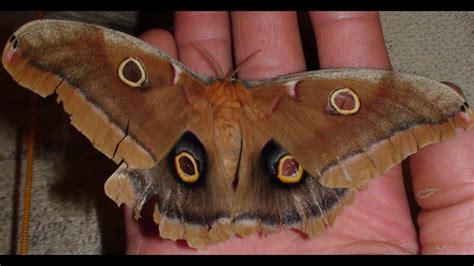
(186, 167)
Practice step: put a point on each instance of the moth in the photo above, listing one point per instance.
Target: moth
(223, 157)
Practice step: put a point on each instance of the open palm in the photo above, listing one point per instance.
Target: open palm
(379, 220)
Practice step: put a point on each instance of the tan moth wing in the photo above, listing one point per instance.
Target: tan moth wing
(392, 115)
(81, 63)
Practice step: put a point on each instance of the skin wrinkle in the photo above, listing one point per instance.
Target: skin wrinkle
(449, 249)
(466, 233)
(385, 205)
(382, 247)
(205, 16)
(350, 242)
(211, 41)
(347, 235)
(470, 201)
(454, 187)
(345, 16)
(208, 40)
(381, 225)
(448, 190)
(465, 168)
(443, 245)
(426, 192)
(456, 193)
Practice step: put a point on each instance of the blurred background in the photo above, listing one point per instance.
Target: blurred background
(70, 213)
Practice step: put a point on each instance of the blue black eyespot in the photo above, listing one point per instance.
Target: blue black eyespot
(279, 164)
(188, 159)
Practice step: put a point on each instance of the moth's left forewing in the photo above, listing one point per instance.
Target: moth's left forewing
(383, 117)
(117, 88)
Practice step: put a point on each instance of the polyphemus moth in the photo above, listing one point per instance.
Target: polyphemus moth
(225, 156)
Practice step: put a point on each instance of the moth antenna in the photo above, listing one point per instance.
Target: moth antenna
(210, 59)
(246, 60)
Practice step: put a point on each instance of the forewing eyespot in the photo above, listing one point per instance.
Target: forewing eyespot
(344, 101)
(132, 72)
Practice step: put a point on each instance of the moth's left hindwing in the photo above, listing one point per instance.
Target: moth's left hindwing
(193, 196)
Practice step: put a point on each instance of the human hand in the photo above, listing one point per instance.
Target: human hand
(379, 219)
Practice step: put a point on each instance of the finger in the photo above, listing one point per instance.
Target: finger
(276, 34)
(350, 39)
(135, 233)
(211, 30)
(355, 39)
(161, 39)
(443, 183)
